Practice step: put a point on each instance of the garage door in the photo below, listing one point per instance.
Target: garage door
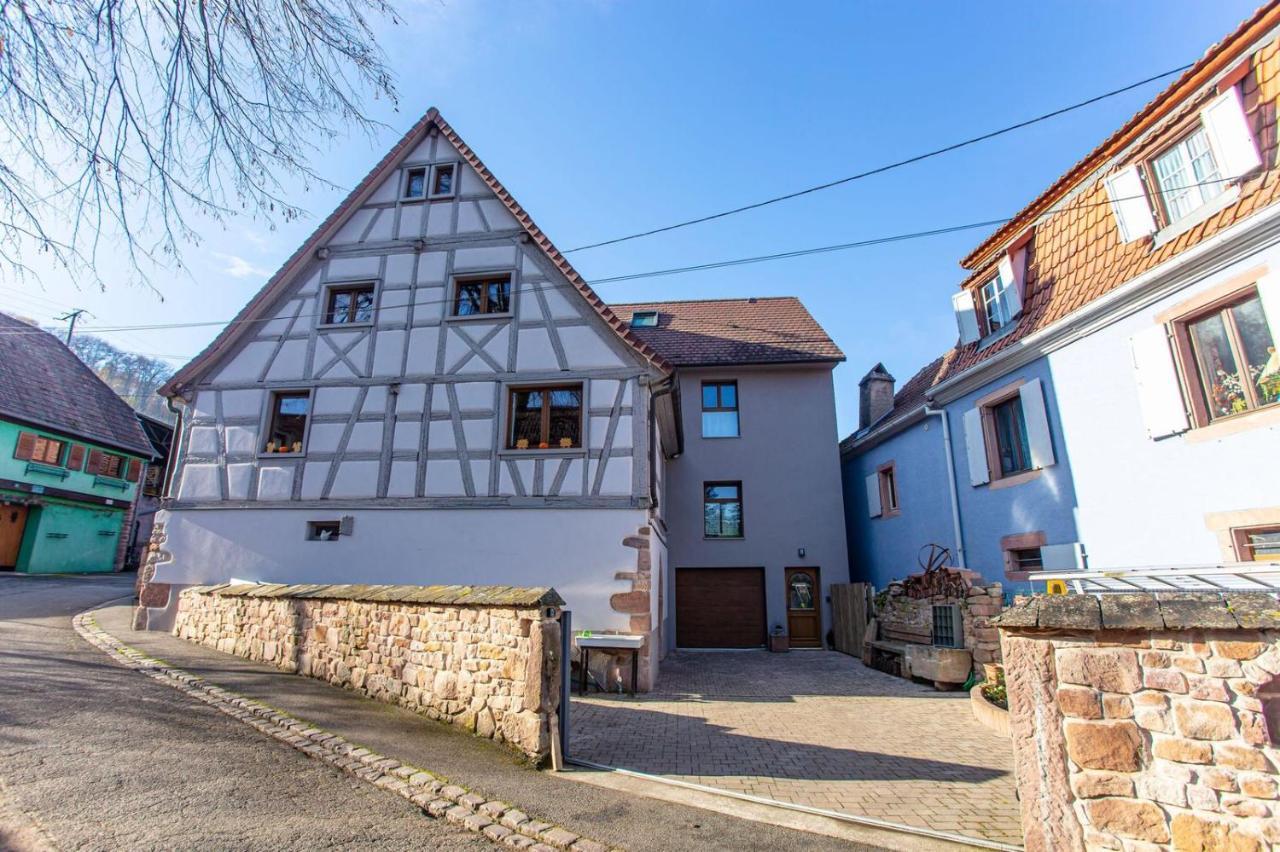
(720, 607)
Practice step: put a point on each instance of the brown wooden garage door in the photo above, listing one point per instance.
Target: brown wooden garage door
(720, 607)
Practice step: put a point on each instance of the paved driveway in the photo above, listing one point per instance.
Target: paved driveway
(815, 728)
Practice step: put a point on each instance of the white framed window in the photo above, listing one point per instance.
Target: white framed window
(1188, 175)
(998, 302)
(415, 183)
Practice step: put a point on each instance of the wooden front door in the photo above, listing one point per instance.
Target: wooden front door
(13, 520)
(804, 608)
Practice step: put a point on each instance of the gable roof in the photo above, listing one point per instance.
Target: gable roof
(279, 282)
(763, 330)
(45, 384)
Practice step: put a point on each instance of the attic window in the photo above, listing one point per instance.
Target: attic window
(349, 305)
(442, 181)
(415, 185)
(997, 303)
(644, 319)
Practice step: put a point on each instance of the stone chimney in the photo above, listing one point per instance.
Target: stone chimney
(875, 396)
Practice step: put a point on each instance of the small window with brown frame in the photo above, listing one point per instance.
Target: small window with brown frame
(442, 180)
(545, 418)
(349, 305)
(1257, 544)
(722, 510)
(1229, 358)
(287, 422)
(482, 294)
(1004, 427)
(107, 465)
(888, 476)
(40, 449)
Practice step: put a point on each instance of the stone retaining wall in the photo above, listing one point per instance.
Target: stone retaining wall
(481, 657)
(1142, 721)
(906, 609)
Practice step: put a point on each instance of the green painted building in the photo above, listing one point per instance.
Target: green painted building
(72, 455)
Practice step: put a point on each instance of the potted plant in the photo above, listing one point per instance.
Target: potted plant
(778, 640)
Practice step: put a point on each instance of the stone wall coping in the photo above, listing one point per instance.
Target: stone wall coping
(1144, 611)
(455, 595)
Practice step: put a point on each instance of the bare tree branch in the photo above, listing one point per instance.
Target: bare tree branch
(123, 121)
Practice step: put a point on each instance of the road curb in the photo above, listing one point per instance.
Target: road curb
(437, 797)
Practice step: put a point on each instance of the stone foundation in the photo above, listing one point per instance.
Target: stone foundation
(153, 597)
(637, 604)
(484, 658)
(1145, 721)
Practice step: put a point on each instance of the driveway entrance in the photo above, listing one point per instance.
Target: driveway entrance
(815, 728)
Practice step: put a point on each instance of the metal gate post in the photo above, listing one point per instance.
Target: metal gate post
(566, 677)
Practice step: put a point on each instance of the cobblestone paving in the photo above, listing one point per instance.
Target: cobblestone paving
(815, 728)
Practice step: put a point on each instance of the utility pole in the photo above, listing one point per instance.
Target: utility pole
(71, 316)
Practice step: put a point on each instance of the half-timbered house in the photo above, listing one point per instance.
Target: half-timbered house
(428, 392)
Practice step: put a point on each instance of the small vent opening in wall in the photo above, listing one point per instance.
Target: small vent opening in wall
(323, 530)
(947, 630)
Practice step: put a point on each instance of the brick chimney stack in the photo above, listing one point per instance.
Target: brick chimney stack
(875, 396)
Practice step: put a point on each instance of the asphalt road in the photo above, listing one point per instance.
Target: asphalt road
(93, 756)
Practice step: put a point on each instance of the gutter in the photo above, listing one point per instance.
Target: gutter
(1245, 238)
(956, 529)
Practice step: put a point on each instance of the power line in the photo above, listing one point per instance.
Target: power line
(881, 169)
(657, 273)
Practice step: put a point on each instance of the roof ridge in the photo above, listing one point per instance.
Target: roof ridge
(715, 299)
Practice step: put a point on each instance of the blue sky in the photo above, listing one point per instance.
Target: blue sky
(609, 118)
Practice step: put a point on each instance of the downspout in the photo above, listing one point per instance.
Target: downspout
(951, 481)
(175, 447)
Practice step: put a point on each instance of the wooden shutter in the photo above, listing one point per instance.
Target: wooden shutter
(133, 471)
(1232, 141)
(976, 447)
(26, 446)
(966, 316)
(75, 457)
(1036, 418)
(1013, 293)
(874, 508)
(95, 462)
(1159, 392)
(1129, 203)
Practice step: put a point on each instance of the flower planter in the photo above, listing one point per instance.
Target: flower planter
(779, 643)
(993, 717)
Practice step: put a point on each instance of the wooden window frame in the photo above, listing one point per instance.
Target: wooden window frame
(887, 480)
(268, 421)
(1020, 541)
(459, 281)
(102, 466)
(987, 330)
(1188, 367)
(1240, 540)
(991, 435)
(742, 508)
(1151, 182)
(509, 445)
(334, 290)
(435, 177)
(37, 439)
(408, 179)
(720, 409)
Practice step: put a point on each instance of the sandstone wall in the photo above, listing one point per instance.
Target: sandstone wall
(1145, 730)
(906, 610)
(484, 658)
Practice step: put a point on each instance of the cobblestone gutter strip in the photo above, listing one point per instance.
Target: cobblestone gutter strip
(496, 820)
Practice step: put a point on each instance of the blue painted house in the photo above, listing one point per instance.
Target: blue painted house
(1113, 400)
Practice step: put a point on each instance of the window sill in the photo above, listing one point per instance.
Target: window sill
(549, 452)
(444, 196)
(282, 455)
(340, 326)
(1176, 229)
(721, 437)
(412, 199)
(506, 315)
(724, 538)
(1001, 333)
(1015, 479)
(1259, 419)
(895, 513)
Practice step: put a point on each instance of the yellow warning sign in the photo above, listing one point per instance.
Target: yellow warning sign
(1056, 587)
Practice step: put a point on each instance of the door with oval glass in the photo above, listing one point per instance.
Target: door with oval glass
(804, 610)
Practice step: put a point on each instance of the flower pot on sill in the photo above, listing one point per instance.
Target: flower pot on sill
(779, 643)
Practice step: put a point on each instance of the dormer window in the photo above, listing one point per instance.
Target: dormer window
(644, 319)
(998, 297)
(1188, 175)
(415, 184)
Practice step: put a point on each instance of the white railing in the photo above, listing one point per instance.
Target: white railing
(1226, 577)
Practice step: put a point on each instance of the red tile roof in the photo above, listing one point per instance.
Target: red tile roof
(1075, 255)
(764, 330)
(243, 322)
(44, 383)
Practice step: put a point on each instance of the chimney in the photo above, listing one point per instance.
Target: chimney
(875, 396)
